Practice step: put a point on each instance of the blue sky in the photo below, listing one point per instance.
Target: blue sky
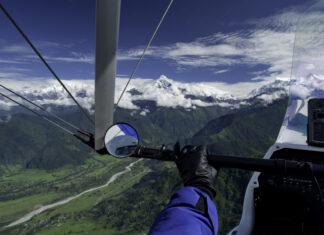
(225, 40)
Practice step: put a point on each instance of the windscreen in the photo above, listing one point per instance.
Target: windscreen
(307, 79)
(201, 83)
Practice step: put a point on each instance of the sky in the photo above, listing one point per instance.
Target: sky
(225, 41)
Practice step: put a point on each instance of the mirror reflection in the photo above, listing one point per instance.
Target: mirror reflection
(121, 140)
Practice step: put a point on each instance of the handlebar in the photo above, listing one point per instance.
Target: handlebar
(273, 166)
(158, 154)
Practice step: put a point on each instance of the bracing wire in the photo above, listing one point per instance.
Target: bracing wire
(43, 117)
(142, 56)
(44, 61)
(40, 107)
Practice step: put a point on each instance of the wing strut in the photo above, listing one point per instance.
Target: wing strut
(107, 28)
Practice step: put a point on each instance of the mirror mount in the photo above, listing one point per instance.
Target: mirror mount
(85, 137)
(102, 151)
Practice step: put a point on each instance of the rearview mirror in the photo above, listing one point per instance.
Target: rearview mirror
(121, 140)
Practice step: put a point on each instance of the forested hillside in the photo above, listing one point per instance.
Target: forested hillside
(131, 203)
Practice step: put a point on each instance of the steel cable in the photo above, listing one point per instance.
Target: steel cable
(45, 63)
(142, 56)
(43, 117)
(40, 107)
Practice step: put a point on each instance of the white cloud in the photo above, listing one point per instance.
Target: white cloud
(285, 20)
(16, 49)
(132, 54)
(13, 75)
(269, 43)
(5, 119)
(51, 44)
(6, 105)
(167, 93)
(269, 98)
(122, 75)
(14, 69)
(307, 86)
(164, 91)
(144, 112)
(8, 61)
(23, 53)
(75, 59)
(221, 71)
(267, 47)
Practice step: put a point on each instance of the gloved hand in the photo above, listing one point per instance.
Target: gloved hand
(194, 168)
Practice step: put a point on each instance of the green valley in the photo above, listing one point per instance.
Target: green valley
(130, 204)
(23, 190)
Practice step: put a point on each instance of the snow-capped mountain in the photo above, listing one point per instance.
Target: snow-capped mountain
(164, 92)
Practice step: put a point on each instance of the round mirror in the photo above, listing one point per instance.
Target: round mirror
(121, 140)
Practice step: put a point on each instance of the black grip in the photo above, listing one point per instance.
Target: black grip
(149, 151)
(253, 164)
(274, 166)
(162, 154)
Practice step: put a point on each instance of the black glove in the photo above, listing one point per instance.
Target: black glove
(194, 168)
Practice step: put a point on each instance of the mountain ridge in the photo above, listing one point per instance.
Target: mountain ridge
(164, 92)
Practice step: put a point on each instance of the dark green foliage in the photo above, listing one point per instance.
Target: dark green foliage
(230, 190)
(167, 125)
(135, 209)
(246, 133)
(34, 143)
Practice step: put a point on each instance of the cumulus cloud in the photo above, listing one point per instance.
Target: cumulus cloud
(307, 86)
(164, 91)
(76, 58)
(5, 104)
(5, 119)
(282, 21)
(221, 71)
(13, 75)
(168, 93)
(266, 47)
(52, 44)
(16, 49)
(268, 41)
(17, 53)
(8, 61)
(48, 91)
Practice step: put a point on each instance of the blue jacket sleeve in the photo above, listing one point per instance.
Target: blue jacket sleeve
(184, 214)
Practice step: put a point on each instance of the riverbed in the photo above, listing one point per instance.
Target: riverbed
(67, 200)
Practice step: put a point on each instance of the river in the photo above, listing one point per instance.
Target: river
(64, 201)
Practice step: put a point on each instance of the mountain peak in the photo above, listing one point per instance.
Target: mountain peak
(163, 82)
(278, 85)
(164, 91)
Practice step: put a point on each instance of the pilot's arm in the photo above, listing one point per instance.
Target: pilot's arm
(191, 209)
